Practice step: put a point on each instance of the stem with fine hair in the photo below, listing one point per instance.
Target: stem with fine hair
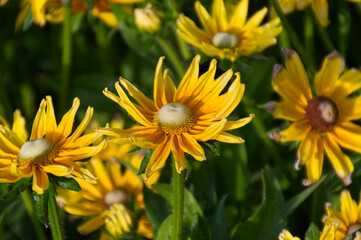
(30, 207)
(170, 52)
(54, 219)
(178, 203)
(294, 38)
(66, 57)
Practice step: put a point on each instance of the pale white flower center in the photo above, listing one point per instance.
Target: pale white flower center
(116, 196)
(174, 118)
(225, 40)
(35, 152)
(328, 111)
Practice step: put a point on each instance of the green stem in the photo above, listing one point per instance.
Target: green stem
(54, 219)
(178, 203)
(294, 38)
(324, 36)
(309, 31)
(268, 143)
(284, 40)
(169, 51)
(30, 207)
(66, 58)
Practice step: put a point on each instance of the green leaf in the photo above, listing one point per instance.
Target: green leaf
(28, 20)
(211, 146)
(267, 222)
(219, 229)
(145, 162)
(41, 207)
(312, 232)
(76, 21)
(66, 183)
(165, 230)
(18, 187)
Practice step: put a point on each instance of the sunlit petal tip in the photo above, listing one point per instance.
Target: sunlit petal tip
(276, 70)
(297, 164)
(347, 180)
(288, 53)
(276, 136)
(307, 182)
(340, 58)
(327, 205)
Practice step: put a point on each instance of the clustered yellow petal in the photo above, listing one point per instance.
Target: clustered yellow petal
(51, 148)
(147, 19)
(179, 118)
(229, 37)
(105, 203)
(322, 123)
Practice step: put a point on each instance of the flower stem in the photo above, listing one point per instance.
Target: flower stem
(178, 203)
(294, 38)
(54, 219)
(30, 207)
(66, 58)
(169, 51)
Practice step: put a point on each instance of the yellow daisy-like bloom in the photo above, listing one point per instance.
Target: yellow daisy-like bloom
(286, 235)
(231, 37)
(102, 10)
(50, 149)
(348, 218)
(147, 19)
(106, 202)
(321, 122)
(180, 118)
(48, 10)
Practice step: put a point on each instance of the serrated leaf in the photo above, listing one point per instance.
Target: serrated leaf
(41, 207)
(66, 183)
(219, 229)
(313, 233)
(165, 230)
(18, 187)
(145, 162)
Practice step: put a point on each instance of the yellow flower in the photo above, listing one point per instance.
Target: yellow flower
(229, 37)
(348, 218)
(147, 19)
(102, 10)
(48, 10)
(3, 2)
(286, 235)
(180, 118)
(107, 201)
(50, 149)
(321, 122)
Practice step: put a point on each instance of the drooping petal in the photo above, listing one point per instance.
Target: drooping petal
(178, 154)
(158, 157)
(331, 69)
(91, 225)
(230, 125)
(40, 180)
(340, 161)
(228, 138)
(58, 170)
(307, 146)
(315, 161)
(81, 153)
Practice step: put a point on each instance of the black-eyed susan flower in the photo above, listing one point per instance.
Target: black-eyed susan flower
(102, 10)
(322, 122)
(348, 218)
(107, 202)
(51, 148)
(147, 19)
(179, 118)
(229, 37)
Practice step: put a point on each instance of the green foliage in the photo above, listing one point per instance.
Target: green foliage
(17, 187)
(66, 183)
(313, 233)
(145, 161)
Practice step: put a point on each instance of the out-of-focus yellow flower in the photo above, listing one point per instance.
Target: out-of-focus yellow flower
(50, 149)
(321, 122)
(178, 119)
(229, 37)
(348, 218)
(102, 10)
(3, 2)
(48, 10)
(147, 19)
(107, 201)
(286, 235)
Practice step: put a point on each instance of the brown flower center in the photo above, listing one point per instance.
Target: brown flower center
(37, 152)
(225, 40)
(321, 113)
(174, 118)
(114, 197)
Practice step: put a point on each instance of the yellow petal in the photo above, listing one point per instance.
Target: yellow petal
(66, 124)
(189, 145)
(58, 170)
(315, 161)
(205, 19)
(7, 177)
(91, 225)
(145, 227)
(6, 144)
(348, 135)
(189, 31)
(38, 11)
(288, 111)
(81, 153)
(340, 161)
(348, 83)
(239, 15)
(228, 138)
(19, 126)
(212, 131)
(326, 78)
(286, 235)
(307, 146)
(84, 208)
(230, 125)
(38, 130)
(349, 207)
(159, 95)
(349, 109)
(220, 15)
(102, 174)
(255, 20)
(50, 120)
(320, 8)
(296, 131)
(23, 172)
(40, 180)
(158, 157)
(178, 154)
